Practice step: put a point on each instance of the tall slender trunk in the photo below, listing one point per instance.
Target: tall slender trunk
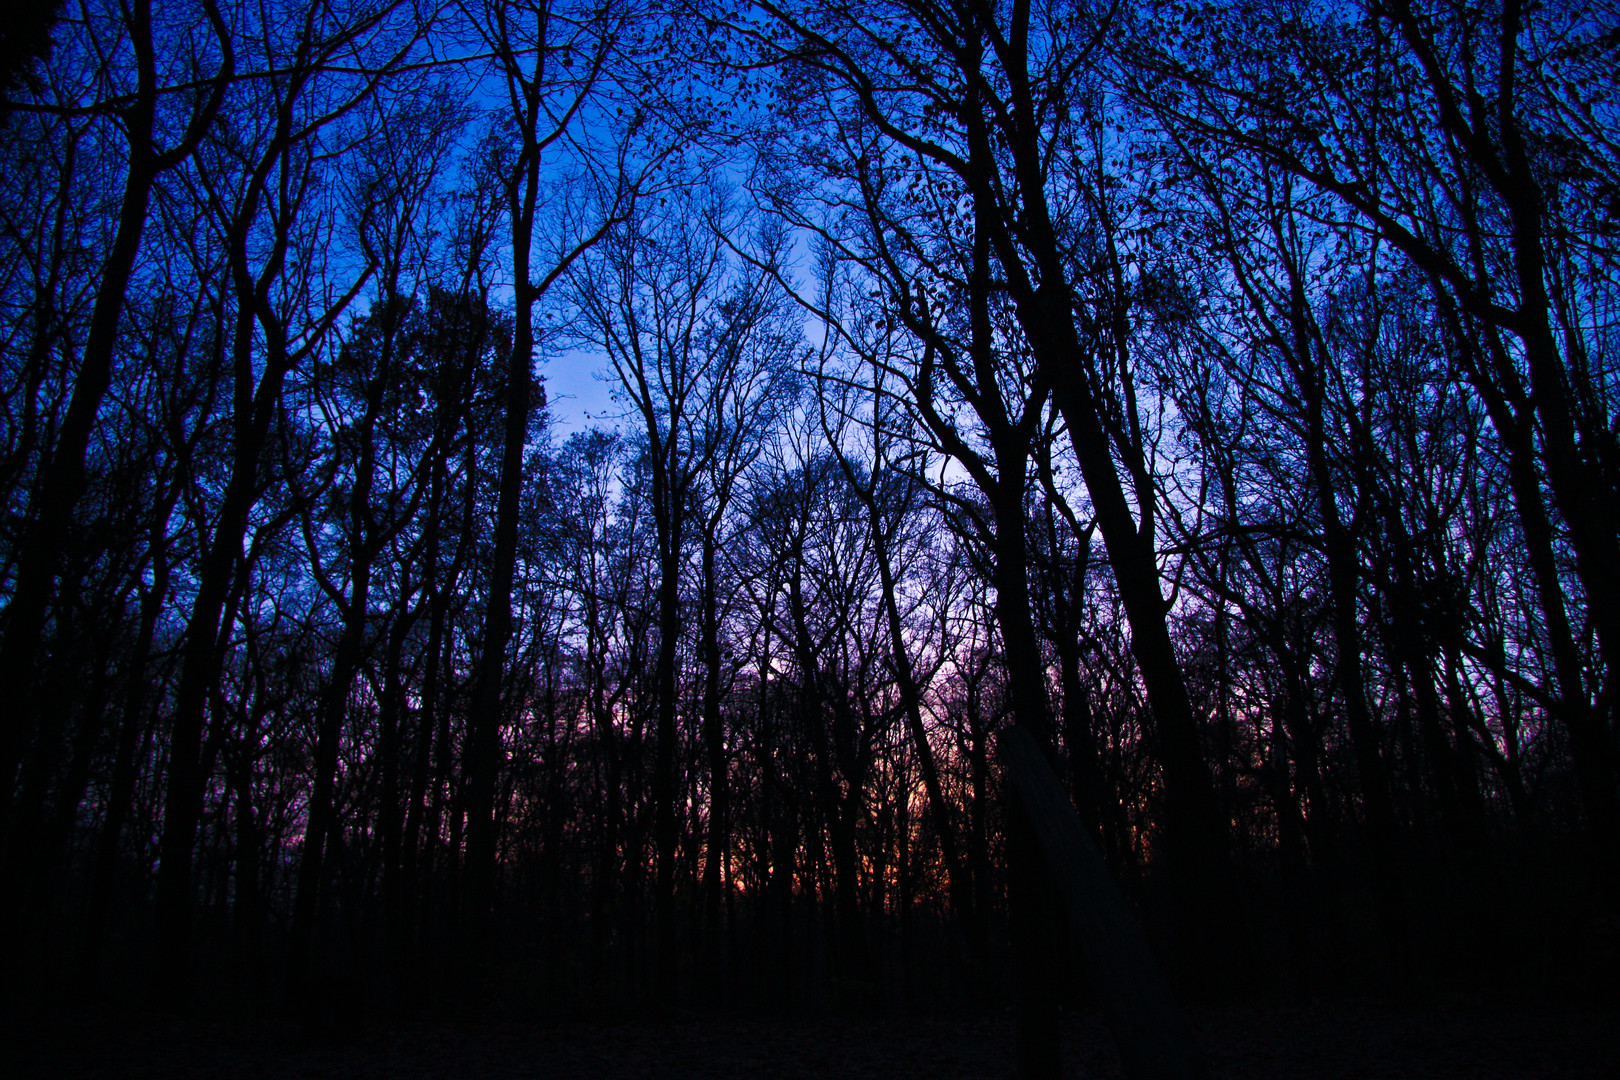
(667, 519)
(412, 861)
(781, 837)
(957, 882)
(255, 406)
(1338, 545)
(431, 773)
(1405, 633)
(714, 737)
(132, 725)
(1068, 607)
(248, 929)
(62, 481)
(1036, 921)
(1027, 247)
(818, 695)
(57, 829)
(320, 822)
(391, 747)
(365, 543)
(1591, 743)
(199, 673)
(846, 809)
(45, 541)
(482, 760)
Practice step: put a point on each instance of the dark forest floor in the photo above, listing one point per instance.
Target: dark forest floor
(1451, 1037)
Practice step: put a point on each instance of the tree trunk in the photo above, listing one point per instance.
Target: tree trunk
(667, 518)
(714, 737)
(1154, 1039)
(62, 479)
(199, 674)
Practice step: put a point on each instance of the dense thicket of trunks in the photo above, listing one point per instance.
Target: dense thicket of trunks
(1227, 394)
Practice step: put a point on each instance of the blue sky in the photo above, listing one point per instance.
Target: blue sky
(576, 394)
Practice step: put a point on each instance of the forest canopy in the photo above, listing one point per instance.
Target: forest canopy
(1227, 395)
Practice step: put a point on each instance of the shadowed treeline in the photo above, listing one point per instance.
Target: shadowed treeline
(1223, 394)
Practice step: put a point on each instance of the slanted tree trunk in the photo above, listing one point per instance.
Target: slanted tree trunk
(1153, 1038)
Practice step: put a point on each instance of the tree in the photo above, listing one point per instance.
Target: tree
(276, 189)
(556, 65)
(1474, 179)
(697, 356)
(62, 475)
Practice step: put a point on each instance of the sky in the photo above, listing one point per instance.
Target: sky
(577, 396)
